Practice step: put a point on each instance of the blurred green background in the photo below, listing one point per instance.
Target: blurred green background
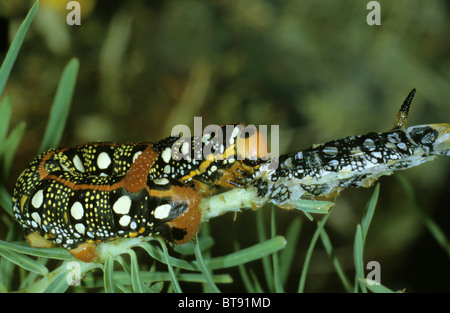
(316, 69)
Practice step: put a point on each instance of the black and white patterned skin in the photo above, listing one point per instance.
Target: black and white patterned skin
(350, 162)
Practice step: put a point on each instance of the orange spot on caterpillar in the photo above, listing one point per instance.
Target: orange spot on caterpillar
(189, 221)
(136, 177)
(251, 144)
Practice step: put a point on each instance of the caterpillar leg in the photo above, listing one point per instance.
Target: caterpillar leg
(37, 241)
(86, 252)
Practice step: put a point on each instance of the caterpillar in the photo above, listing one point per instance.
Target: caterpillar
(97, 192)
(82, 196)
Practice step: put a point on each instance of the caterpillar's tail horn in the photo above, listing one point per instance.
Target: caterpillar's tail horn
(402, 115)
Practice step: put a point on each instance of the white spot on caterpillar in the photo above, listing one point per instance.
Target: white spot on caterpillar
(333, 163)
(394, 138)
(376, 154)
(103, 160)
(162, 211)
(369, 144)
(331, 151)
(185, 148)
(78, 164)
(161, 181)
(77, 210)
(37, 199)
(122, 205)
(36, 217)
(166, 155)
(235, 132)
(80, 228)
(125, 220)
(136, 155)
(167, 169)
(206, 137)
(65, 168)
(402, 146)
(133, 225)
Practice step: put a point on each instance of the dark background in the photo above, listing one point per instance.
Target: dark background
(316, 69)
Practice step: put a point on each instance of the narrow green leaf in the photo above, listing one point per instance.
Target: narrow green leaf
(375, 287)
(198, 255)
(309, 252)
(5, 115)
(13, 50)
(256, 283)
(248, 254)
(205, 243)
(136, 281)
(358, 252)
(312, 206)
(52, 253)
(153, 276)
(23, 261)
(10, 147)
(124, 264)
(6, 271)
(157, 254)
(262, 236)
(233, 259)
(156, 287)
(5, 200)
(108, 271)
(437, 233)
(244, 274)
(61, 106)
(122, 288)
(277, 282)
(287, 254)
(329, 249)
(7, 267)
(58, 284)
(246, 279)
(127, 272)
(29, 279)
(173, 276)
(370, 210)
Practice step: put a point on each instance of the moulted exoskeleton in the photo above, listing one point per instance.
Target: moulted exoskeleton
(355, 161)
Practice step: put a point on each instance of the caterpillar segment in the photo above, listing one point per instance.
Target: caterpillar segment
(355, 161)
(82, 196)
